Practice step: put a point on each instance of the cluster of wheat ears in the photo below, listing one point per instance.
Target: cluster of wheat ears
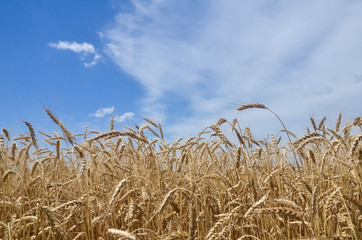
(133, 185)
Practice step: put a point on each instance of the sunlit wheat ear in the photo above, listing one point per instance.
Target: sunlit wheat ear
(315, 199)
(240, 138)
(357, 121)
(161, 131)
(354, 200)
(52, 219)
(78, 151)
(111, 127)
(122, 234)
(113, 134)
(322, 123)
(65, 131)
(82, 161)
(144, 127)
(312, 156)
(221, 121)
(6, 133)
(338, 136)
(98, 219)
(116, 192)
(354, 146)
(313, 124)
(308, 138)
(79, 236)
(261, 200)
(58, 150)
(14, 149)
(192, 222)
(33, 169)
(220, 135)
(2, 146)
(85, 133)
(288, 203)
(165, 200)
(7, 174)
(338, 123)
(238, 157)
(32, 133)
(150, 121)
(282, 210)
(252, 105)
(141, 129)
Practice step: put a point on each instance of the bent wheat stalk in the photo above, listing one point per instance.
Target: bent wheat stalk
(262, 106)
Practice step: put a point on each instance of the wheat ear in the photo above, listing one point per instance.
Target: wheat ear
(122, 234)
(32, 133)
(65, 131)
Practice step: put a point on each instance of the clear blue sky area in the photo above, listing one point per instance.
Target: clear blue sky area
(34, 76)
(182, 63)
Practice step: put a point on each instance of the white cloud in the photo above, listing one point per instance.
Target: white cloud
(103, 111)
(123, 117)
(74, 46)
(300, 58)
(100, 34)
(97, 57)
(86, 50)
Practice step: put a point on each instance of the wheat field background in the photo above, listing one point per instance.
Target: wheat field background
(133, 185)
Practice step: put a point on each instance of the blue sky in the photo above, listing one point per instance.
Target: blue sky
(182, 63)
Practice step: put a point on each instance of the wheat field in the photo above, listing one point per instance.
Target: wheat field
(132, 184)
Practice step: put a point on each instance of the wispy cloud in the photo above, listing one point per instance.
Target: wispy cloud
(74, 46)
(297, 57)
(96, 59)
(124, 116)
(103, 111)
(100, 35)
(85, 49)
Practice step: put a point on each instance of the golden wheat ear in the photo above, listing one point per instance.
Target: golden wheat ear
(6, 133)
(2, 146)
(251, 105)
(65, 131)
(32, 133)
